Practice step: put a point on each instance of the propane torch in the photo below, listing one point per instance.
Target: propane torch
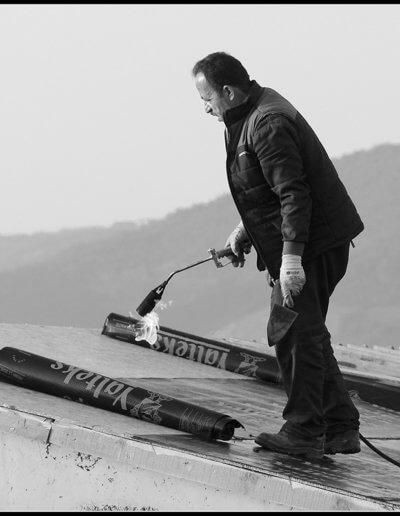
(154, 296)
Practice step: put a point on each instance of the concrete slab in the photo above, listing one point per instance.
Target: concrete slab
(57, 454)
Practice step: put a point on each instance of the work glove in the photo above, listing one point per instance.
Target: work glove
(239, 243)
(291, 278)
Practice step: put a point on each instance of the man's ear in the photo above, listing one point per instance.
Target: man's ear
(228, 92)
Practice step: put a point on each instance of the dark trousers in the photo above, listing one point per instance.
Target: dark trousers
(318, 401)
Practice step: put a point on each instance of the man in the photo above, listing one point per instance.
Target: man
(298, 216)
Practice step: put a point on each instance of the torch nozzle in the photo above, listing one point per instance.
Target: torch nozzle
(149, 302)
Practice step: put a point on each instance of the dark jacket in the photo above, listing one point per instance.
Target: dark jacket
(284, 184)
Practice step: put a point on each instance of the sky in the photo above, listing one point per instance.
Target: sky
(100, 121)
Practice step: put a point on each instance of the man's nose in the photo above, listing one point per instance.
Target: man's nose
(207, 107)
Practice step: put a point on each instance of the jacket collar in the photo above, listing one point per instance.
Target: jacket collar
(239, 112)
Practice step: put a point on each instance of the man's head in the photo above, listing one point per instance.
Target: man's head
(222, 82)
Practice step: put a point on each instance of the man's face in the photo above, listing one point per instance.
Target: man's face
(214, 103)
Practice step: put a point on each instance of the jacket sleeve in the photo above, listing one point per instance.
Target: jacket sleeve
(276, 144)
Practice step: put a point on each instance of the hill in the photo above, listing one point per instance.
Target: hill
(77, 277)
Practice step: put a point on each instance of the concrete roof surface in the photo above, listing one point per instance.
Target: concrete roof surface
(215, 475)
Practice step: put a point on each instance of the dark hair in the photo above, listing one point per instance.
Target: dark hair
(221, 68)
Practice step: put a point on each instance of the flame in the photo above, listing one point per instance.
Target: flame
(147, 327)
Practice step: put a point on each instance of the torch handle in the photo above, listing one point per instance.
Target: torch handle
(227, 251)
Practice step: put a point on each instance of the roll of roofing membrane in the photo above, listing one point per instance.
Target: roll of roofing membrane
(378, 390)
(199, 349)
(67, 381)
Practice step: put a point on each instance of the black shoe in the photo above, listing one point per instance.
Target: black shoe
(283, 442)
(343, 442)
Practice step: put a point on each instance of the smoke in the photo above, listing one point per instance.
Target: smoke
(146, 328)
(162, 305)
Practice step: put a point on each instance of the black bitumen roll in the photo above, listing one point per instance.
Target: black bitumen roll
(199, 349)
(54, 377)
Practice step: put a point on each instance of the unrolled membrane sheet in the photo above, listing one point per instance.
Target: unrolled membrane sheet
(210, 352)
(380, 391)
(53, 377)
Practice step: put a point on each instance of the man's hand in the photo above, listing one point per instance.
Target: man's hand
(239, 243)
(291, 278)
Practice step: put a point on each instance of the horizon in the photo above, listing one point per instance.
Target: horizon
(145, 221)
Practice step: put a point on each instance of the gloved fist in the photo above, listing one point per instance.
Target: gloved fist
(291, 278)
(239, 242)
